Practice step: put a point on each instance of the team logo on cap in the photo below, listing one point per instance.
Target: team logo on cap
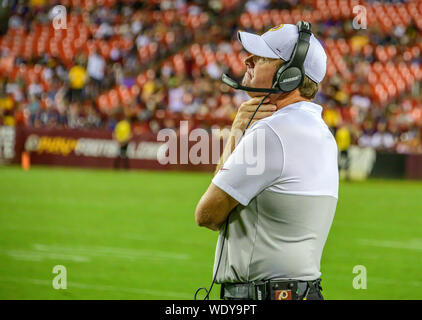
(277, 28)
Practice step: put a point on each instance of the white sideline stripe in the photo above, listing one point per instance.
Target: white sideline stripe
(127, 236)
(86, 286)
(39, 256)
(113, 252)
(414, 244)
(380, 280)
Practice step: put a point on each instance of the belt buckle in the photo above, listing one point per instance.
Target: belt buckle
(284, 290)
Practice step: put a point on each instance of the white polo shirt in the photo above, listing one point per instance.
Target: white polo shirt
(284, 174)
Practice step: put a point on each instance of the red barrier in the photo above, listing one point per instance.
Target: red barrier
(413, 166)
(96, 148)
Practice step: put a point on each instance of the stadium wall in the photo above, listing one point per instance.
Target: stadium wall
(97, 149)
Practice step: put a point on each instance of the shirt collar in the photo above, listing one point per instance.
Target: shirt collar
(304, 105)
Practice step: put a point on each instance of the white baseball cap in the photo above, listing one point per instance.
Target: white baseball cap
(279, 42)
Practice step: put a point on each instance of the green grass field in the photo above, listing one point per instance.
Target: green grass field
(132, 235)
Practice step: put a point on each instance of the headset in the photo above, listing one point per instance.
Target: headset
(288, 77)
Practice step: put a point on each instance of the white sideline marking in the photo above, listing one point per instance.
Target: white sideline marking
(39, 256)
(127, 236)
(79, 285)
(113, 252)
(85, 254)
(380, 280)
(414, 244)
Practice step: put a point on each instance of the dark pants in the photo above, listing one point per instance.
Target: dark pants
(317, 295)
(311, 296)
(76, 95)
(343, 161)
(122, 157)
(273, 290)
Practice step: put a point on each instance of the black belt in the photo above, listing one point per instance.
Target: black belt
(270, 290)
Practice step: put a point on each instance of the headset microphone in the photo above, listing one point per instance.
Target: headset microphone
(236, 85)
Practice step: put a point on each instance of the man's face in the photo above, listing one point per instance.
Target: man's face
(259, 73)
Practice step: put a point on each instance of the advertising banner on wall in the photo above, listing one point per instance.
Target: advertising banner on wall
(96, 148)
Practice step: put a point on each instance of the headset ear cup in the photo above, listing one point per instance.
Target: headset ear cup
(289, 76)
(290, 79)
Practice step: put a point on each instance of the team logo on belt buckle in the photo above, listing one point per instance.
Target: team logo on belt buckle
(283, 294)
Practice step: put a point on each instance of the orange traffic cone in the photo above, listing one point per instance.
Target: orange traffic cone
(25, 161)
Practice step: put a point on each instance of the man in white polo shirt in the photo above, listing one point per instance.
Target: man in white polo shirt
(274, 221)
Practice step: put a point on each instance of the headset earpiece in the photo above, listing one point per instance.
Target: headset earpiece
(288, 79)
(289, 76)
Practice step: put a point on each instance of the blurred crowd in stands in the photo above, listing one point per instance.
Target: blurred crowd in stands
(159, 62)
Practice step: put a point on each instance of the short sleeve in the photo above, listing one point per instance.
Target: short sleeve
(255, 164)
